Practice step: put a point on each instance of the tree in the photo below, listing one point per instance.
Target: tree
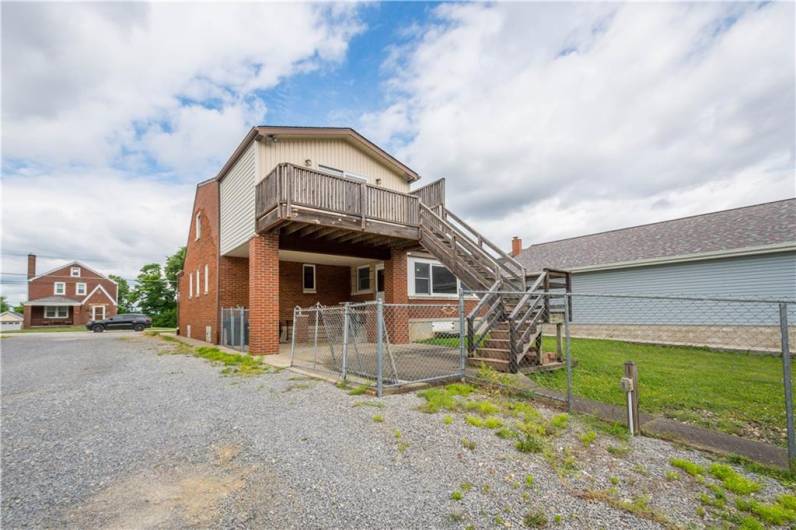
(126, 297)
(19, 308)
(4, 306)
(156, 289)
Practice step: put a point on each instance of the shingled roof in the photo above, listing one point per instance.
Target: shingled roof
(763, 225)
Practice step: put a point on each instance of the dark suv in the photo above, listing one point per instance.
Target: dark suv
(134, 321)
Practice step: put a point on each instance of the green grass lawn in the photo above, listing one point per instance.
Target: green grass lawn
(732, 392)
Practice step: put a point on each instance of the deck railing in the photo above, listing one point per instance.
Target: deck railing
(293, 185)
(432, 195)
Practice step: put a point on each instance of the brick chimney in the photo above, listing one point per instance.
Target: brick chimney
(516, 246)
(31, 266)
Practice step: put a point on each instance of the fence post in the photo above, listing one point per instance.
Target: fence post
(631, 372)
(315, 336)
(461, 331)
(293, 335)
(242, 329)
(568, 352)
(345, 340)
(379, 346)
(786, 376)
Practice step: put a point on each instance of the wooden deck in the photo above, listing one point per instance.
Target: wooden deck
(310, 203)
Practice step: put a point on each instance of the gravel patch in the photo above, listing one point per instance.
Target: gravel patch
(103, 430)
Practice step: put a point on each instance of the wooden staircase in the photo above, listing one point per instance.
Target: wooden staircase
(504, 330)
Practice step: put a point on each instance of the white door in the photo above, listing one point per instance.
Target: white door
(98, 312)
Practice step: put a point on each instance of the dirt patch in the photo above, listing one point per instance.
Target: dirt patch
(188, 495)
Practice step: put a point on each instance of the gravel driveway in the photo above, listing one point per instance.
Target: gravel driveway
(100, 430)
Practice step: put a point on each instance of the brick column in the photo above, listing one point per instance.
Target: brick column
(396, 291)
(264, 294)
(27, 314)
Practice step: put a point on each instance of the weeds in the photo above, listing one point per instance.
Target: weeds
(374, 404)
(378, 418)
(774, 513)
(734, 481)
(535, 519)
(528, 481)
(687, 466)
(671, 476)
(619, 451)
(468, 444)
(448, 419)
(457, 495)
(359, 390)
(234, 363)
(531, 443)
(587, 438)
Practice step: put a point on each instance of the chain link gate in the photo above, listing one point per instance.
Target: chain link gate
(385, 345)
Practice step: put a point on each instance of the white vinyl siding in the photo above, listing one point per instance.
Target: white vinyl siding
(333, 153)
(237, 201)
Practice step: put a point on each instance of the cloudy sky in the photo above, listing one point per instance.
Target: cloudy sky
(548, 120)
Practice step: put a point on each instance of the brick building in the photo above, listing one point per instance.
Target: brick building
(251, 246)
(70, 294)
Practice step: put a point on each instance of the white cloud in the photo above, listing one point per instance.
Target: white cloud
(87, 77)
(114, 222)
(557, 120)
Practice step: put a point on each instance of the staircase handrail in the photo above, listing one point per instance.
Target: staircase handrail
(520, 273)
(531, 291)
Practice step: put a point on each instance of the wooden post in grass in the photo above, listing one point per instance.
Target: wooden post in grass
(631, 372)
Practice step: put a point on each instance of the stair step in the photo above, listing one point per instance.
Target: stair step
(498, 364)
(493, 353)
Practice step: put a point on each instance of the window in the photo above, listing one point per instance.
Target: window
(198, 225)
(198, 284)
(207, 282)
(329, 169)
(59, 288)
(340, 173)
(363, 279)
(80, 288)
(429, 278)
(98, 312)
(190, 285)
(308, 278)
(56, 311)
(74, 272)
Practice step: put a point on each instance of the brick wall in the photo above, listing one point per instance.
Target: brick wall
(233, 277)
(332, 286)
(264, 294)
(200, 311)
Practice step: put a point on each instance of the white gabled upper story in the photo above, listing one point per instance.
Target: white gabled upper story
(339, 151)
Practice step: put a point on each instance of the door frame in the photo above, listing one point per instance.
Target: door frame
(94, 312)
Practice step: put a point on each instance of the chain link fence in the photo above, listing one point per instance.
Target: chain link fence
(235, 328)
(386, 345)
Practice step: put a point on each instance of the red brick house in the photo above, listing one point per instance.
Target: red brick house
(305, 215)
(70, 294)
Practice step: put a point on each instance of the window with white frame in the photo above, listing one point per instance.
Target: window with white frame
(59, 288)
(198, 225)
(363, 279)
(80, 288)
(430, 278)
(198, 284)
(308, 278)
(340, 173)
(190, 286)
(74, 272)
(207, 281)
(56, 311)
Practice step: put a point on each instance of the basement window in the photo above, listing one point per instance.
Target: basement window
(308, 278)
